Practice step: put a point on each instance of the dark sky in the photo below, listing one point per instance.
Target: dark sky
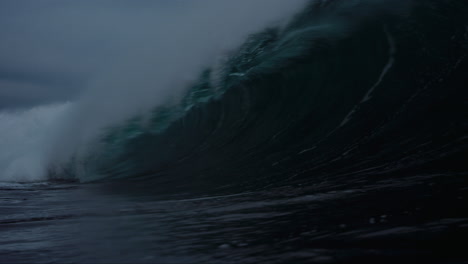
(50, 49)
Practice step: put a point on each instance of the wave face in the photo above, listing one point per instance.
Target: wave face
(367, 89)
(353, 90)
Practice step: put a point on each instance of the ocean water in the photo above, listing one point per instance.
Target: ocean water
(339, 136)
(416, 219)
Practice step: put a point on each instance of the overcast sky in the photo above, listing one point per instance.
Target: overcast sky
(49, 49)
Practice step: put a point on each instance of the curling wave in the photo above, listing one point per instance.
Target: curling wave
(345, 90)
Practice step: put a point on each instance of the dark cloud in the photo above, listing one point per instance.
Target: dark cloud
(24, 89)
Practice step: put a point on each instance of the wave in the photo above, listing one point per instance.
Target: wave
(361, 89)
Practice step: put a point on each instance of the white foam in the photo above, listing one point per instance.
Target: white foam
(25, 138)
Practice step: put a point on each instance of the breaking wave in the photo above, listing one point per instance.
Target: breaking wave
(343, 90)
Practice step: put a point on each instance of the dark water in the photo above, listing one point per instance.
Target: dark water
(418, 219)
(340, 138)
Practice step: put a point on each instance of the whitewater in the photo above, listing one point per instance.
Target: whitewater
(26, 139)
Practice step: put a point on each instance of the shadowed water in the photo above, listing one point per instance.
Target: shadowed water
(416, 219)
